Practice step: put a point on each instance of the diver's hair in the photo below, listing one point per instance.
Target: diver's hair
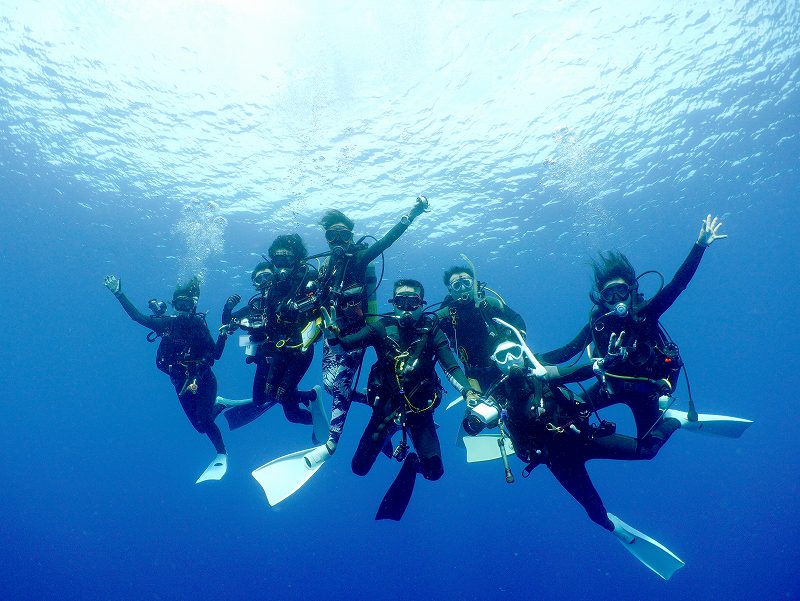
(410, 284)
(450, 271)
(290, 242)
(262, 266)
(612, 265)
(190, 288)
(333, 216)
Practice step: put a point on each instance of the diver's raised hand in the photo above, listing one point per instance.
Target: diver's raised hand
(419, 208)
(113, 283)
(227, 310)
(232, 301)
(615, 347)
(708, 231)
(329, 322)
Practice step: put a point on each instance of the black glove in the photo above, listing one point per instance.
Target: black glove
(227, 311)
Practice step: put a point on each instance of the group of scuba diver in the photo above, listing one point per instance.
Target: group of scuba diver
(517, 401)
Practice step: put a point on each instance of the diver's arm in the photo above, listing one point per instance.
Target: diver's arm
(709, 232)
(366, 336)
(569, 350)
(390, 237)
(219, 346)
(565, 375)
(669, 293)
(455, 375)
(151, 322)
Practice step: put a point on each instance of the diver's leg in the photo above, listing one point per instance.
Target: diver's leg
(199, 406)
(260, 381)
(372, 440)
(208, 410)
(287, 394)
(614, 446)
(647, 414)
(338, 374)
(423, 434)
(571, 473)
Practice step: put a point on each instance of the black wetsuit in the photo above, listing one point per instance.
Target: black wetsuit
(403, 383)
(282, 360)
(539, 420)
(474, 335)
(186, 353)
(256, 314)
(648, 371)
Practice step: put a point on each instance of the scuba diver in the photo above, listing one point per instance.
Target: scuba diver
(186, 354)
(253, 317)
(467, 320)
(403, 388)
(549, 425)
(637, 363)
(276, 319)
(345, 285)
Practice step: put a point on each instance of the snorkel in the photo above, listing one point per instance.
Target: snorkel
(538, 369)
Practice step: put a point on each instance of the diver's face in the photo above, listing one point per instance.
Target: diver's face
(461, 287)
(509, 357)
(615, 291)
(338, 235)
(407, 303)
(285, 263)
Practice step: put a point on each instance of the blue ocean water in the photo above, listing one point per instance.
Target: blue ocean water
(158, 139)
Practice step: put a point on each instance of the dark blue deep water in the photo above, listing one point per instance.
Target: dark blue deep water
(158, 139)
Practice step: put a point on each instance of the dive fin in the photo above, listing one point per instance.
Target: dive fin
(650, 552)
(485, 447)
(244, 414)
(707, 423)
(282, 477)
(396, 499)
(319, 418)
(215, 470)
(226, 403)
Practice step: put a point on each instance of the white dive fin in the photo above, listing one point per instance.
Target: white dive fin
(319, 417)
(715, 425)
(650, 552)
(282, 477)
(485, 447)
(538, 368)
(215, 470)
(453, 403)
(221, 400)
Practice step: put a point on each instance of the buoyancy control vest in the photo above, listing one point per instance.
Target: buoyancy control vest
(405, 369)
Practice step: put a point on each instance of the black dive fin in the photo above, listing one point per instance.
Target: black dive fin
(394, 503)
(244, 414)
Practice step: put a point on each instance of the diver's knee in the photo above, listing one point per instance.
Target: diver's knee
(649, 447)
(360, 466)
(432, 468)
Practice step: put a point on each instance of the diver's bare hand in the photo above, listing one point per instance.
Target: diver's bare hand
(708, 231)
(615, 343)
(113, 283)
(419, 208)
